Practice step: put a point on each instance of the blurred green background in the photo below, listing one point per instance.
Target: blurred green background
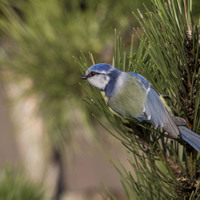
(41, 96)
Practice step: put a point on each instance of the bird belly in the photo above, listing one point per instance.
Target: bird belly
(126, 104)
(129, 99)
(125, 108)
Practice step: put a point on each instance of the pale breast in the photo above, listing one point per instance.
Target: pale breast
(130, 98)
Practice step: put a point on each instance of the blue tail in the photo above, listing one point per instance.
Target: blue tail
(190, 137)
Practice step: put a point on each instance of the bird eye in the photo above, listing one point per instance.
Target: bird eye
(93, 73)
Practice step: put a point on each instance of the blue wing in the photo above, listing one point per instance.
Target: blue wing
(154, 111)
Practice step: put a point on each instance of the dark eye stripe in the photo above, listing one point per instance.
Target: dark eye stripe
(93, 74)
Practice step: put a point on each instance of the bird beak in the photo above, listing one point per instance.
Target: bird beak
(84, 77)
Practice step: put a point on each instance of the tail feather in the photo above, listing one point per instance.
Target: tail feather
(190, 137)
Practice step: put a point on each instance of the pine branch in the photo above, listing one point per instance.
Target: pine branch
(169, 58)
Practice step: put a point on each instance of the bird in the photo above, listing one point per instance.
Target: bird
(129, 94)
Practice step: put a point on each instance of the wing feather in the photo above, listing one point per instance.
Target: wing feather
(154, 110)
(157, 114)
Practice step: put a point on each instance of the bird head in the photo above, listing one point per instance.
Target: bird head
(99, 75)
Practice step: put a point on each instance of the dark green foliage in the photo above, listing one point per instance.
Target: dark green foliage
(168, 56)
(168, 43)
(15, 186)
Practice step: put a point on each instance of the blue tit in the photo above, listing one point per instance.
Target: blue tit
(130, 95)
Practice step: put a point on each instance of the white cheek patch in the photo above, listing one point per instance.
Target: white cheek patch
(99, 81)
